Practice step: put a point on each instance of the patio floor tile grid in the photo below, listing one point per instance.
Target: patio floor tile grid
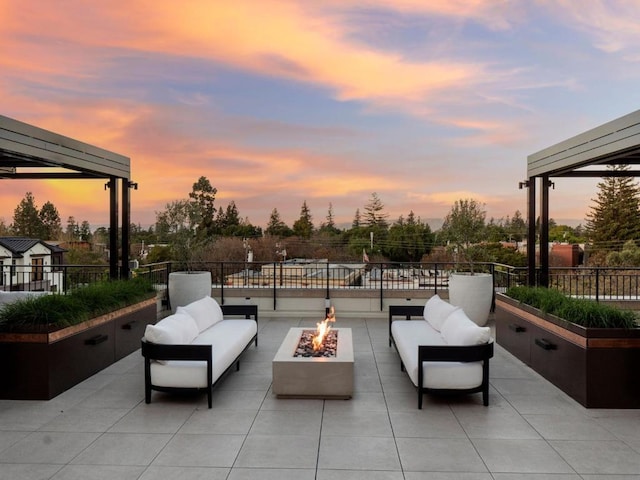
(102, 429)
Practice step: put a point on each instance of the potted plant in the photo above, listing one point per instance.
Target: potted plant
(588, 349)
(49, 343)
(188, 285)
(463, 229)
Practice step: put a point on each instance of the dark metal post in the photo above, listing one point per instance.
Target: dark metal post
(126, 212)
(544, 232)
(531, 233)
(112, 185)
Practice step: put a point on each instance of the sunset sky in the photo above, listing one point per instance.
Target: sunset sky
(278, 102)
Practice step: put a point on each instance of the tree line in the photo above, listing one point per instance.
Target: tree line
(195, 227)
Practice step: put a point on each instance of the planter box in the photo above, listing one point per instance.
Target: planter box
(598, 367)
(39, 366)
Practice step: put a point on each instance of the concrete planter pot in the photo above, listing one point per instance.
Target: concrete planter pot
(598, 367)
(474, 293)
(42, 365)
(186, 287)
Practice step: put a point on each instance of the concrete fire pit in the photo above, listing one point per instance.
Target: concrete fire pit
(314, 377)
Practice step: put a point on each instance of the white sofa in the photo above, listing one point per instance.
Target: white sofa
(193, 348)
(444, 351)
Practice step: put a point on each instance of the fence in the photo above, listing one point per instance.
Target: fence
(598, 283)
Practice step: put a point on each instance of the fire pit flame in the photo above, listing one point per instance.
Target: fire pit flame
(323, 329)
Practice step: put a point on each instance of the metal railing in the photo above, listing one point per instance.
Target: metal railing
(599, 283)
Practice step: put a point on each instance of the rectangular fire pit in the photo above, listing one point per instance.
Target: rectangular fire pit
(314, 377)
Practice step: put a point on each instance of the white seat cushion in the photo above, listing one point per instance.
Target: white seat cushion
(408, 335)
(228, 339)
(206, 312)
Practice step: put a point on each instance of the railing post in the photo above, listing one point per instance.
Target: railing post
(597, 284)
(275, 265)
(381, 284)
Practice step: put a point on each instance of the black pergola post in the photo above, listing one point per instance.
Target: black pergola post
(544, 232)
(114, 274)
(531, 233)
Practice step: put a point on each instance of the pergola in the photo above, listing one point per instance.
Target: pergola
(613, 143)
(31, 153)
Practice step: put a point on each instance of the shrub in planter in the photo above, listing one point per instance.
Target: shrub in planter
(583, 312)
(52, 312)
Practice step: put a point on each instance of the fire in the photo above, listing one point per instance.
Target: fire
(322, 328)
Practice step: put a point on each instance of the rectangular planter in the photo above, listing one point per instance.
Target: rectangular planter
(598, 367)
(40, 366)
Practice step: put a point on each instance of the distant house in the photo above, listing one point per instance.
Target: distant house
(29, 264)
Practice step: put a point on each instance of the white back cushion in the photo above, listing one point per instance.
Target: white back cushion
(176, 329)
(458, 329)
(206, 312)
(436, 311)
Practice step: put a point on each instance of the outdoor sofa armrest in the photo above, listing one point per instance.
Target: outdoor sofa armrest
(247, 310)
(407, 311)
(155, 351)
(456, 353)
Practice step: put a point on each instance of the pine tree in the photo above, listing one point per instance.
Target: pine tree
(373, 215)
(614, 218)
(303, 227)
(50, 221)
(26, 222)
(357, 219)
(276, 226)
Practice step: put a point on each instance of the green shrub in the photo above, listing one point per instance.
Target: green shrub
(584, 312)
(55, 311)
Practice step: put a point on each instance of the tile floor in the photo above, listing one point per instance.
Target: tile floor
(102, 429)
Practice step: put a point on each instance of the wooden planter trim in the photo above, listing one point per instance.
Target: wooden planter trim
(578, 335)
(56, 336)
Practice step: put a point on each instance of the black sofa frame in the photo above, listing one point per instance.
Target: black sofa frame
(442, 353)
(154, 351)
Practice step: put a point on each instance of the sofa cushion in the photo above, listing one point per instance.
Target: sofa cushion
(177, 329)
(408, 335)
(458, 329)
(206, 312)
(437, 310)
(228, 339)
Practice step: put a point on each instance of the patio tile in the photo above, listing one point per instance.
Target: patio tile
(98, 472)
(278, 451)
(78, 419)
(494, 422)
(552, 404)
(23, 471)
(122, 449)
(153, 418)
(47, 447)
(448, 476)
(271, 402)
(538, 476)
(246, 381)
(212, 421)
(363, 423)
(439, 455)
(365, 401)
(599, 457)
(184, 473)
(189, 450)
(438, 422)
(358, 475)
(10, 438)
(557, 427)
(282, 422)
(520, 456)
(272, 474)
(358, 453)
(231, 400)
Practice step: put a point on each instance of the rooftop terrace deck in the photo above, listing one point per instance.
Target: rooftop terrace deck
(102, 429)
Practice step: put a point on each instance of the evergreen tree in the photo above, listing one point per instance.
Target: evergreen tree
(464, 227)
(303, 227)
(50, 221)
(408, 240)
(614, 218)
(373, 212)
(84, 232)
(26, 221)
(72, 232)
(357, 220)
(276, 226)
(203, 196)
